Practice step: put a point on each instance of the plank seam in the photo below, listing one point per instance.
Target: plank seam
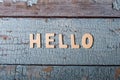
(59, 17)
(59, 65)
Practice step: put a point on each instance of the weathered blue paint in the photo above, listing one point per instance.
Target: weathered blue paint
(14, 41)
(19, 72)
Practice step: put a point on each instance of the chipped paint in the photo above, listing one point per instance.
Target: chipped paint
(48, 69)
(29, 2)
(4, 37)
(116, 4)
(1, 1)
(19, 72)
(117, 73)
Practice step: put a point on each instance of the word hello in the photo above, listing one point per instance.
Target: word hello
(87, 41)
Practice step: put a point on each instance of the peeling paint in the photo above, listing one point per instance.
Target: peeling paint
(118, 30)
(20, 72)
(48, 69)
(29, 2)
(4, 37)
(1, 1)
(116, 4)
(84, 78)
(117, 73)
(46, 20)
(9, 31)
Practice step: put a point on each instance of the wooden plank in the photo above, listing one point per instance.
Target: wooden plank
(18, 72)
(60, 8)
(15, 44)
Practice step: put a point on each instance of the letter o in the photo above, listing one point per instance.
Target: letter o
(86, 37)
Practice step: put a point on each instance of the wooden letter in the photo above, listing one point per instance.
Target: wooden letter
(73, 44)
(87, 40)
(61, 44)
(48, 40)
(37, 41)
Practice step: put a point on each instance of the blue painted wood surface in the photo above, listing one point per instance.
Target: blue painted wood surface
(15, 49)
(14, 40)
(18, 72)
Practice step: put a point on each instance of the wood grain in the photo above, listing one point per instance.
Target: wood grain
(61, 8)
(18, 72)
(15, 47)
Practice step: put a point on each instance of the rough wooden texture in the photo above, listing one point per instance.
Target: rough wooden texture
(15, 49)
(60, 8)
(19, 72)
